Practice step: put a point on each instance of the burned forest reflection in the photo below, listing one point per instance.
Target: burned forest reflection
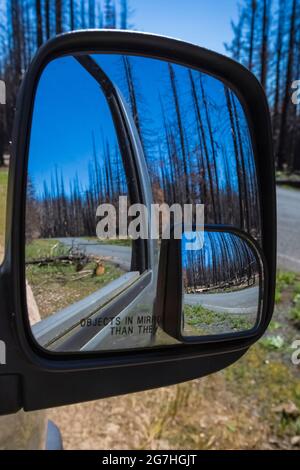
(221, 285)
(197, 150)
(192, 128)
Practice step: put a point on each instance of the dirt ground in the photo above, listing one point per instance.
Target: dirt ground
(57, 285)
(201, 414)
(254, 404)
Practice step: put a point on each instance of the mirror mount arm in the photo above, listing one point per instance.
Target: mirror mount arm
(168, 305)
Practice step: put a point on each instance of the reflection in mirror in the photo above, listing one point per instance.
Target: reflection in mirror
(74, 166)
(195, 137)
(192, 146)
(221, 285)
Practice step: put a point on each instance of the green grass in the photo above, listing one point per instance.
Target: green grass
(295, 311)
(288, 284)
(284, 280)
(57, 285)
(44, 248)
(202, 321)
(297, 288)
(3, 193)
(266, 382)
(274, 325)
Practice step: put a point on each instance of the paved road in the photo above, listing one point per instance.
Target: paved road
(118, 255)
(288, 206)
(243, 301)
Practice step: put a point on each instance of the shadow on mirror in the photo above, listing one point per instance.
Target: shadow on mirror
(221, 283)
(108, 132)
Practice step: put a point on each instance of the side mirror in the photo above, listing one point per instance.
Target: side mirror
(218, 273)
(88, 313)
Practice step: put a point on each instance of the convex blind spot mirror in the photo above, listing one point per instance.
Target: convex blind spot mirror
(84, 248)
(218, 273)
(221, 285)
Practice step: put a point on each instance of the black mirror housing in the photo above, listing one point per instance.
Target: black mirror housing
(34, 378)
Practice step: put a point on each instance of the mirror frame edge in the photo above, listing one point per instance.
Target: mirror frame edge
(31, 364)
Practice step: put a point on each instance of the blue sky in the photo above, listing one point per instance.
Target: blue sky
(203, 22)
(70, 109)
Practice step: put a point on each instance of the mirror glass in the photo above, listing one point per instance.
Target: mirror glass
(221, 284)
(109, 132)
